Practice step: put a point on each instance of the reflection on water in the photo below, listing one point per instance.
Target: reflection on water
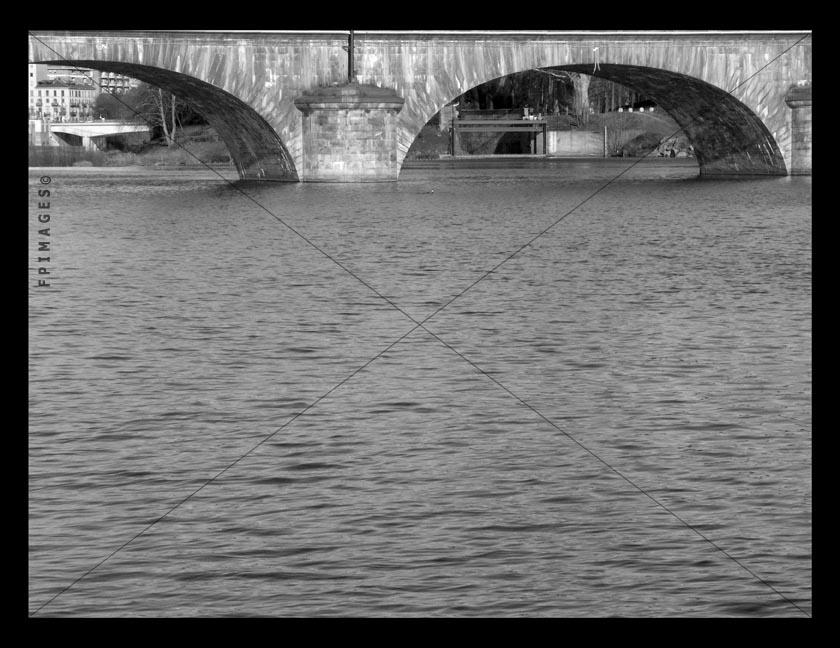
(665, 324)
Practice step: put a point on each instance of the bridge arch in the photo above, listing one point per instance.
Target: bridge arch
(266, 72)
(255, 147)
(727, 136)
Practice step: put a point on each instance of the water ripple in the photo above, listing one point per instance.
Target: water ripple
(665, 325)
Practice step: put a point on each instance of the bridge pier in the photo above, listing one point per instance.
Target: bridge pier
(798, 99)
(245, 84)
(350, 134)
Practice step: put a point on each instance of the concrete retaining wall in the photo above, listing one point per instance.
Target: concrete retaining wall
(573, 143)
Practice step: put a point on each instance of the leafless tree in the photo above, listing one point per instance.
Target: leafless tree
(166, 104)
(156, 107)
(580, 83)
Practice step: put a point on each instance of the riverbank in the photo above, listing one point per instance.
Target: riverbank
(541, 161)
(628, 135)
(513, 166)
(195, 146)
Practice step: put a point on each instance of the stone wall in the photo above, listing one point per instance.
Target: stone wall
(349, 134)
(246, 83)
(575, 143)
(691, 76)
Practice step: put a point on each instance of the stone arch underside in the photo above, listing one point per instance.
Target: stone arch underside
(727, 136)
(256, 148)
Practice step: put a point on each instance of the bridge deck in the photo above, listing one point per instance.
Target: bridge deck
(727, 89)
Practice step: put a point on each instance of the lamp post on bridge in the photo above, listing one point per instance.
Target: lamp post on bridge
(350, 130)
(351, 65)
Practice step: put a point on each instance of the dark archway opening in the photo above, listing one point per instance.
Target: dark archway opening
(255, 147)
(723, 134)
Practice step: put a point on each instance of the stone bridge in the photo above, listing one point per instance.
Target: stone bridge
(282, 104)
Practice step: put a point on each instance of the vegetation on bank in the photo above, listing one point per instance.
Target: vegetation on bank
(163, 111)
(182, 137)
(637, 134)
(552, 91)
(572, 101)
(429, 144)
(194, 146)
(628, 135)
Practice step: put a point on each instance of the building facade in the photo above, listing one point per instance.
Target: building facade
(116, 83)
(60, 101)
(61, 94)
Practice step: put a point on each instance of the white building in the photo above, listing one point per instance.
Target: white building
(60, 101)
(116, 83)
(61, 93)
(37, 73)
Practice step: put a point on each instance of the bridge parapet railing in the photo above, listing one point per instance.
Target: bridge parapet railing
(498, 113)
(553, 122)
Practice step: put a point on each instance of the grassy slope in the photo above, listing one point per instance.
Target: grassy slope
(429, 144)
(193, 142)
(632, 134)
(195, 145)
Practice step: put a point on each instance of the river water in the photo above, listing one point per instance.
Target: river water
(663, 328)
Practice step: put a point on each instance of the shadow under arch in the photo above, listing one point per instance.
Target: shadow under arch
(727, 136)
(256, 148)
